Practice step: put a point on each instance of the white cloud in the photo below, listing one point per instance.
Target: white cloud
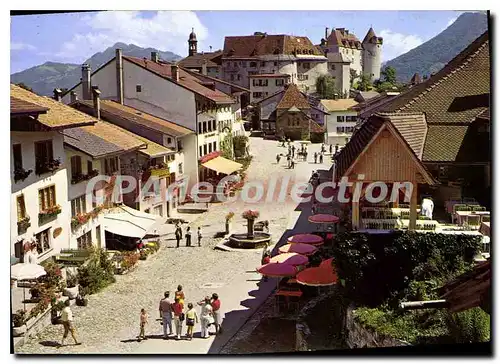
(16, 46)
(165, 30)
(396, 44)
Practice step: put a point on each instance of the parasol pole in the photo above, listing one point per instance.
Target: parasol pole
(24, 298)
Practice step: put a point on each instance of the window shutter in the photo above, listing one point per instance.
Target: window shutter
(90, 167)
(73, 209)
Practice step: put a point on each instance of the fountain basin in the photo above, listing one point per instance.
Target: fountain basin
(242, 241)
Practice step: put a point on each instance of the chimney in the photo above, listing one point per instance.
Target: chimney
(73, 96)
(154, 57)
(96, 95)
(175, 72)
(119, 75)
(86, 82)
(57, 94)
(326, 33)
(204, 67)
(210, 47)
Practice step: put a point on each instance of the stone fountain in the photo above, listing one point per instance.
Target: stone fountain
(252, 239)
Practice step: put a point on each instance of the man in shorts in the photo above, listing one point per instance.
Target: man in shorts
(67, 320)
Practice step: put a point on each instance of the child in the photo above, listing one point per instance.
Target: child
(191, 319)
(180, 295)
(144, 321)
(199, 236)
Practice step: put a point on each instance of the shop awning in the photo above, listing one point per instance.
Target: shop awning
(126, 221)
(222, 165)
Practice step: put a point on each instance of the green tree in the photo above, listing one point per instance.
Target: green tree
(352, 76)
(325, 87)
(389, 75)
(365, 83)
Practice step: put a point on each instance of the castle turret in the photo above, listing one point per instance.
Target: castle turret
(193, 43)
(372, 55)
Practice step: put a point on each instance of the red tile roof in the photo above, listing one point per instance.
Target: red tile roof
(196, 60)
(259, 45)
(186, 79)
(293, 97)
(343, 38)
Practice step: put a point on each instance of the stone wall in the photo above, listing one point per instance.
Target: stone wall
(358, 336)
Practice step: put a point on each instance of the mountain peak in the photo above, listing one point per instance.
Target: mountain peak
(432, 55)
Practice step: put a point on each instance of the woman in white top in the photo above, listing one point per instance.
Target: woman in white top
(206, 316)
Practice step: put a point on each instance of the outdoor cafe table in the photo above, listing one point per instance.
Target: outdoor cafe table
(464, 215)
(323, 219)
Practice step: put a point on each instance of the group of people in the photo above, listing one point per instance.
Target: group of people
(175, 312)
(178, 235)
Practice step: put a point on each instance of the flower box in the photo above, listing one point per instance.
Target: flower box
(82, 219)
(49, 214)
(84, 177)
(49, 166)
(23, 225)
(20, 174)
(251, 214)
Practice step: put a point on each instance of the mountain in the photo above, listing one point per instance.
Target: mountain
(434, 54)
(43, 79)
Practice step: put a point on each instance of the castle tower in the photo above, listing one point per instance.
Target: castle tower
(372, 55)
(193, 43)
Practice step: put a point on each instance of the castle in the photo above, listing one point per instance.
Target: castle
(265, 64)
(364, 57)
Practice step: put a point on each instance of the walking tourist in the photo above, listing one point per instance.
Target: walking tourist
(191, 319)
(205, 317)
(288, 160)
(199, 236)
(278, 157)
(178, 234)
(315, 157)
(188, 236)
(314, 208)
(178, 309)
(321, 158)
(69, 327)
(217, 313)
(180, 295)
(166, 314)
(143, 320)
(322, 148)
(331, 148)
(292, 163)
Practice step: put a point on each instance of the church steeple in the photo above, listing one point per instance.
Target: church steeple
(193, 43)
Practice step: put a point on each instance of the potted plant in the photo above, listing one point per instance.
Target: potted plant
(19, 321)
(229, 217)
(71, 290)
(143, 255)
(36, 292)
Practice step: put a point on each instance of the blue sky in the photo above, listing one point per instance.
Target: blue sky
(73, 37)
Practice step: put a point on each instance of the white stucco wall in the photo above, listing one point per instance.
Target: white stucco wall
(372, 57)
(316, 69)
(332, 124)
(30, 186)
(266, 91)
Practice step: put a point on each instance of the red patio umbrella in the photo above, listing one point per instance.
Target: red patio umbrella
(304, 249)
(306, 239)
(323, 219)
(326, 263)
(316, 277)
(290, 259)
(277, 270)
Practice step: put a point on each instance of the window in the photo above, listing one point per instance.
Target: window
(253, 64)
(275, 64)
(169, 140)
(239, 77)
(76, 166)
(306, 66)
(340, 119)
(18, 156)
(43, 241)
(43, 152)
(78, 206)
(340, 129)
(180, 168)
(110, 165)
(232, 77)
(257, 95)
(47, 197)
(280, 82)
(215, 146)
(21, 208)
(200, 127)
(84, 241)
(201, 150)
(214, 125)
(254, 82)
(209, 126)
(138, 88)
(210, 148)
(205, 149)
(235, 64)
(179, 145)
(332, 67)
(204, 127)
(263, 64)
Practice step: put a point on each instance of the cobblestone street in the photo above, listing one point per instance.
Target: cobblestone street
(110, 322)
